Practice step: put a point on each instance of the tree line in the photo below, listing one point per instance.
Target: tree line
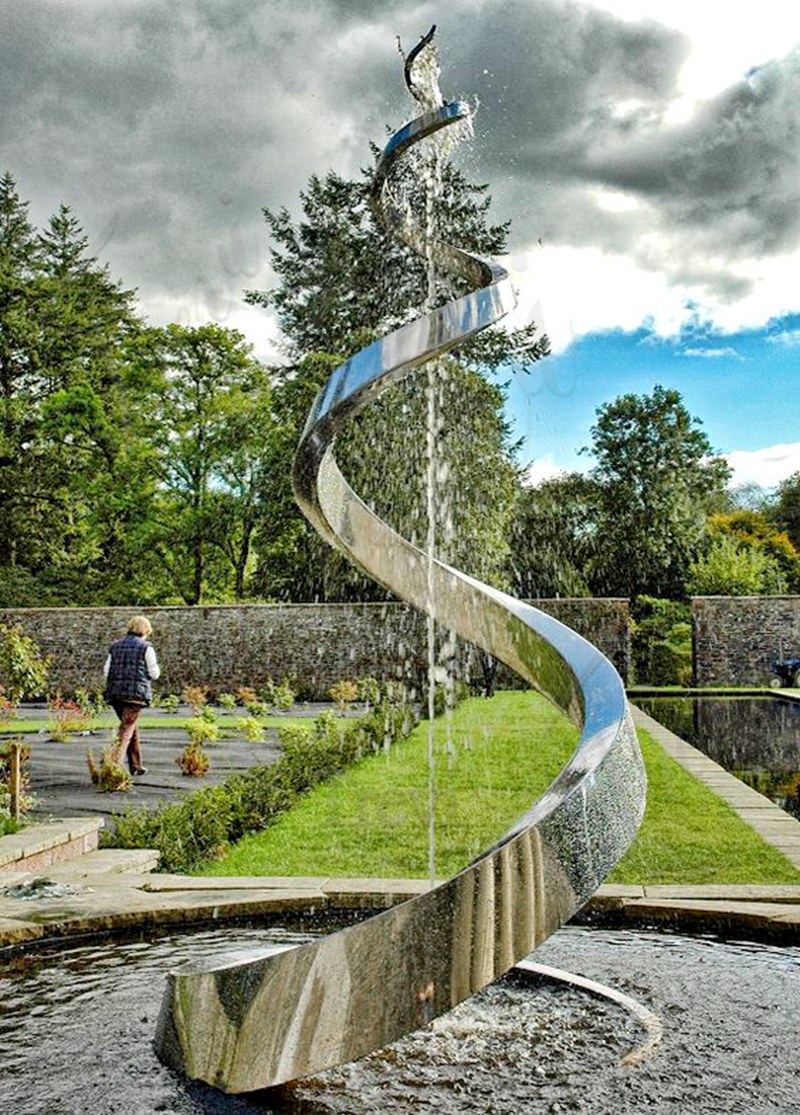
(151, 465)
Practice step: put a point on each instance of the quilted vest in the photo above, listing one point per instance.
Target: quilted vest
(128, 678)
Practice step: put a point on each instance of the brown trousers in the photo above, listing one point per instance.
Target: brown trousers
(128, 735)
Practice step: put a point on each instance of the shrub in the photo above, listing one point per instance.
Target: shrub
(226, 701)
(23, 667)
(109, 777)
(65, 717)
(344, 692)
(169, 702)
(369, 691)
(8, 709)
(245, 695)
(195, 696)
(283, 696)
(193, 760)
(89, 702)
(266, 691)
(209, 713)
(257, 708)
(661, 642)
(252, 728)
(202, 730)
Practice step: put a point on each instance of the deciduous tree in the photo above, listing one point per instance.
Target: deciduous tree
(655, 472)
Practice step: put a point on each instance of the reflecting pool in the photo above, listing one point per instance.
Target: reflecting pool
(755, 738)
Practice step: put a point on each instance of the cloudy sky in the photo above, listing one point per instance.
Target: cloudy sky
(647, 153)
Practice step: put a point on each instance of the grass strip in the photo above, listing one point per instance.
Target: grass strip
(691, 836)
(226, 723)
(372, 819)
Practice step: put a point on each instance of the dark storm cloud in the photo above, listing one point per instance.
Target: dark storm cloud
(724, 185)
(167, 126)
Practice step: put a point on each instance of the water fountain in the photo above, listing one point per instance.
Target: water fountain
(247, 1025)
(76, 1018)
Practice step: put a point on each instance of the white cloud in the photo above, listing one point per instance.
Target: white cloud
(726, 353)
(543, 468)
(724, 45)
(789, 338)
(572, 291)
(766, 467)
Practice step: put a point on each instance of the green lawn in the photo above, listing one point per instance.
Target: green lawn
(372, 819)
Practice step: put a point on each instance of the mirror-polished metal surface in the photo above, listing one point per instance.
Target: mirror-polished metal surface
(245, 1026)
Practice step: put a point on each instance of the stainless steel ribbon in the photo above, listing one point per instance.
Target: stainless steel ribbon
(248, 1025)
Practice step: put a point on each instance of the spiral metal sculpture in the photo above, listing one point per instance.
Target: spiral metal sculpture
(247, 1025)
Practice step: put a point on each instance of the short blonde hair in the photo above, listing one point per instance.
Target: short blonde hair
(140, 625)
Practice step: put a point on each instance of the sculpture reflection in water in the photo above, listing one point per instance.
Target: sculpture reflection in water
(245, 1026)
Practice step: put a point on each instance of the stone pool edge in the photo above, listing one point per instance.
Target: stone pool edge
(119, 901)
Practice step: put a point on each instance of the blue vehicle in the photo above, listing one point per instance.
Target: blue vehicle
(787, 671)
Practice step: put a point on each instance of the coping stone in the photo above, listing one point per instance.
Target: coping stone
(39, 838)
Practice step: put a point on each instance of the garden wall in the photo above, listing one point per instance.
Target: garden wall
(736, 637)
(223, 646)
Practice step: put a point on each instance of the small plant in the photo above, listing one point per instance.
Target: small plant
(245, 695)
(209, 713)
(201, 730)
(196, 697)
(344, 692)
(65, 717)
(252, 728)
(227, 701)
(109, 777)
(170, 702)
(22, 665)
(369, 691)
(266, 691)
(193, 760)
(257, 708)
(283, 696)
(8, 709)
(85, 701)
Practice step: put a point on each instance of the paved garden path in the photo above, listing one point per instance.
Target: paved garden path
(60, 781)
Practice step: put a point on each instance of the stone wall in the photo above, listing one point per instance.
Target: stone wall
(223, 646)
(736, 637)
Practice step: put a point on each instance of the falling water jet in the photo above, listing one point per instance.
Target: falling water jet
(246, 1026)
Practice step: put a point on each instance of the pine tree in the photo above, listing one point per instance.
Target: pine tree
(342, 281)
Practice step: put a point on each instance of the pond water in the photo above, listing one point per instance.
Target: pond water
(77, 1022)
(755, 738)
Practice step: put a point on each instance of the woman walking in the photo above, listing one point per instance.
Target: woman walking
(130, 668)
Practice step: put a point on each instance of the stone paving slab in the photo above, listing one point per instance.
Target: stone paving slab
(763, 917)
(127, 901)
(108, 861)
(720, 892)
